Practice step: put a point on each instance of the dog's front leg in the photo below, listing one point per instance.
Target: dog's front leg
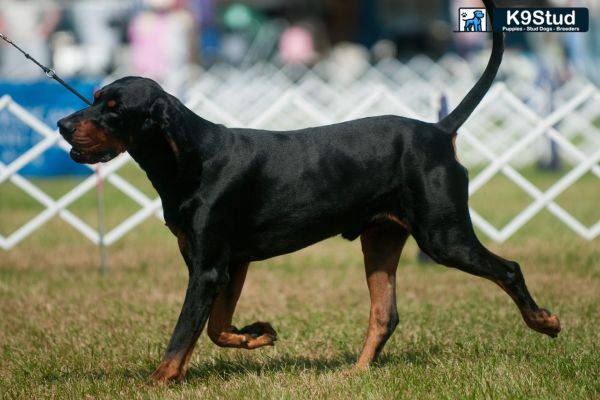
(207, 274)
(222, 332)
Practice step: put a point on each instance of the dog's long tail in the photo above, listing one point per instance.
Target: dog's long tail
(459, 115)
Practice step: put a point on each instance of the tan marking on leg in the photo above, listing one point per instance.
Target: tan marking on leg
(382, 246)
(173, 367)
(389, 217)
(540, 320)
(220, 330)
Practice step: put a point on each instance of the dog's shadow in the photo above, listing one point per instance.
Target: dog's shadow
(229, 368)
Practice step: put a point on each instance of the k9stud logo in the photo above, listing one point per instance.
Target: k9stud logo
(513, 19)
(541, 20)
(472, 20)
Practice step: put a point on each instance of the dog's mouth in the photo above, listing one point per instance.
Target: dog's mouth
(87, 157)
(86, 150)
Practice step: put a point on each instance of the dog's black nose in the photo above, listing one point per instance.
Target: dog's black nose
(65, 127)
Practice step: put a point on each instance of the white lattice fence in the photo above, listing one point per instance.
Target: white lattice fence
(237, 97)
(59, 207)
(584, 159)
(502, 135)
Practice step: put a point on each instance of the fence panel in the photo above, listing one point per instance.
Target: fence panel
(507, 133)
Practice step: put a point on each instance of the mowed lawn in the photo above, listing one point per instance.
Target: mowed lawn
(66, 331)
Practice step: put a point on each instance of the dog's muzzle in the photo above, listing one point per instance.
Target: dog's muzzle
(79, 153)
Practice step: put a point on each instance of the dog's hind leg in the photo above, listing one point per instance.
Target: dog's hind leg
(472, 257)
(381, 246)
(447, 236)
(220, 330)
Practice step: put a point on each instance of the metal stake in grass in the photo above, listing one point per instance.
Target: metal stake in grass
(101, 222)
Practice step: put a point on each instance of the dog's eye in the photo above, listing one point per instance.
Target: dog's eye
(111, 103)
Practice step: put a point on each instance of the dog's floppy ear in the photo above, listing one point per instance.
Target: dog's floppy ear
(161, 120)
(158, 118)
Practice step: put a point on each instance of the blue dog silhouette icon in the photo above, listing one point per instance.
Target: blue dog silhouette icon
(474, 24)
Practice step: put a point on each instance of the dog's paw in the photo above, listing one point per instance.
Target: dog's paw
(357, 369)
(258, 329)
(258, 334)
(544, 322)
(166, 373)
(260, 341)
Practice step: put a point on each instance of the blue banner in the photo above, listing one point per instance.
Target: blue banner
(49, 102)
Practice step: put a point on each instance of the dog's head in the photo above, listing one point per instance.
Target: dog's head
(121, 113)
(478, 14)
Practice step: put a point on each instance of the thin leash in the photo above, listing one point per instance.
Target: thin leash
(50, 73)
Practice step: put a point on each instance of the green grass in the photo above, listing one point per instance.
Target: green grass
(68, 332)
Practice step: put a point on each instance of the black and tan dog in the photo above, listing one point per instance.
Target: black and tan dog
(233, 196)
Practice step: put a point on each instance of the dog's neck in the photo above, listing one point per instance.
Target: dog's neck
(159, 162)
(162, 155)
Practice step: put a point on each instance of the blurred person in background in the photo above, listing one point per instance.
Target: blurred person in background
(581, 49)
(415, 26)
(560, 56)
(207, 29)
(305, 38)
(296, 45)
(250, 34)
(29, 23)
(163, 42)
(240, 24)
(98, 27)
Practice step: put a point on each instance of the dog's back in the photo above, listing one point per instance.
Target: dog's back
(356, 169)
